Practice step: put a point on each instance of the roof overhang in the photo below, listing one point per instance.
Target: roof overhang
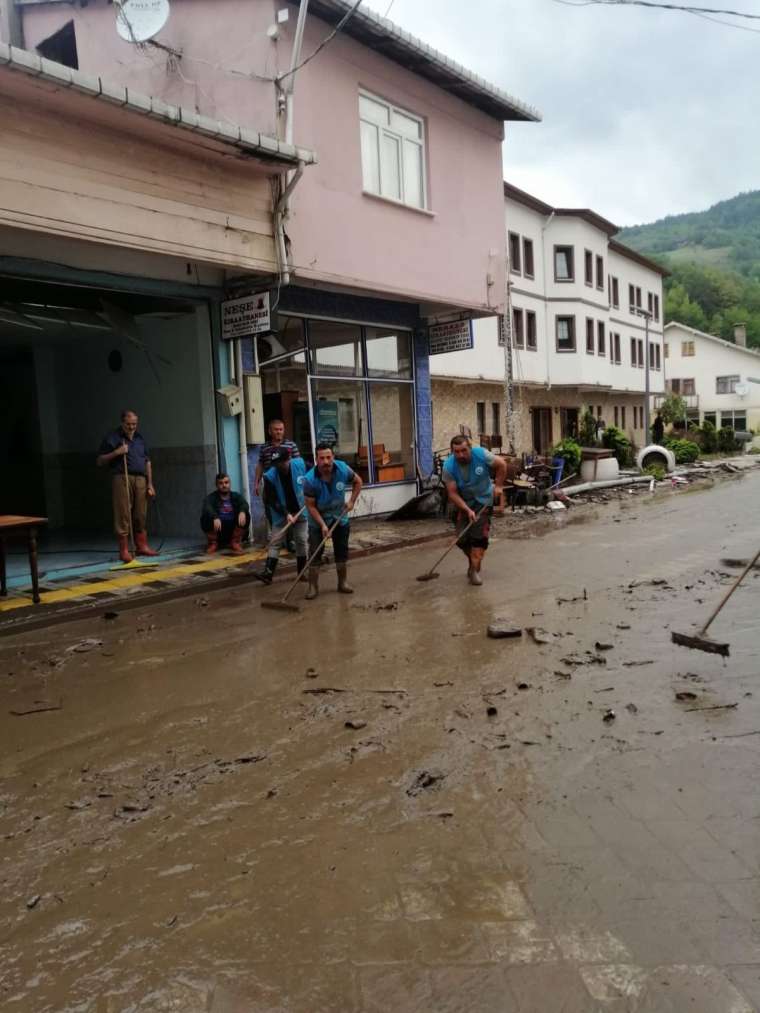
(381, 35)
(224, 134)
(639, 258)
(528, 200)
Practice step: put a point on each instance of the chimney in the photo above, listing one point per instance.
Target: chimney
(740, 335)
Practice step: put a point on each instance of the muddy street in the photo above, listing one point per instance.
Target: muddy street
(371, 806)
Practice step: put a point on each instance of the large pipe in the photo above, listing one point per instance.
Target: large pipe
(571, 490)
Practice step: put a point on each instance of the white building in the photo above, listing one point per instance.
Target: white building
(715, 377)
(578, 338)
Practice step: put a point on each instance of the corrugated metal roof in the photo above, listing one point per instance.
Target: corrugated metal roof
(247, 141)
(412, 53)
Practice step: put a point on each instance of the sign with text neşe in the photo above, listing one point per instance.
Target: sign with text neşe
(451, 337)
(245, 317)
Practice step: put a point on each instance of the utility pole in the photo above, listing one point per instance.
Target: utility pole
(505, 338)
(647, 428)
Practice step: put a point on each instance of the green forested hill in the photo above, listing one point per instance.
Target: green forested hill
(715, 259)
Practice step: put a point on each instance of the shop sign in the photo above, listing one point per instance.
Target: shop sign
(328, 423)
(452, 337)
(245, 317)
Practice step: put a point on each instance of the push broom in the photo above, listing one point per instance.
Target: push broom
(134, 563)
(700, 641)
(284, 604)
(431, 574)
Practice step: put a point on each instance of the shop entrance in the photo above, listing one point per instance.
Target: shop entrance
(71, 357)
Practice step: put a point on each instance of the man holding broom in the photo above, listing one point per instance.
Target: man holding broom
(467, 476)
(325, 495)
(283, 496)
(131, 484)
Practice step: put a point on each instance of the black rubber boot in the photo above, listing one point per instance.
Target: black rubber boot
(313, 583)
(266, 575)
(343, 586)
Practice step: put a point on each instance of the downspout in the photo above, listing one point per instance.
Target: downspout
(544, 227)
(282, 208)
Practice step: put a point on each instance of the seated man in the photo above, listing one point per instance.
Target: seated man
(283, 497)
(225, 518)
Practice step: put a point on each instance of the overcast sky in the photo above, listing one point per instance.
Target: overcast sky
(645, 112)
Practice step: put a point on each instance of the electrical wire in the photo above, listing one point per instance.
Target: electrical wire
(657, 5)
(326, 41)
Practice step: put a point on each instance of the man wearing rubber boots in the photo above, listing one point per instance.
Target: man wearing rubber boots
(131, 486)
(467, 476)
(325, 495)
(225, 518)
(283, 496)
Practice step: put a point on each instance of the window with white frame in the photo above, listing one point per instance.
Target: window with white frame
(726, 384)
(393, 151)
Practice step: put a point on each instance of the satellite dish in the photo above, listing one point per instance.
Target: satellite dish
(741, 389)
(140, 20)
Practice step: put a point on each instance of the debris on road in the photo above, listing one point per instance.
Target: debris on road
(311, 673)
(85, 645)
(603, 647)
(110, 615)
(538, 635)
(355, 724)
(33, 901)
(562, 675)
(502, 628)
(716, 707)
(492, 711)
(568, 601)
(424, 780)
(589, 658)
(320, 690)
(39, 707)
(685, 694)
(623, 626)
(608, 716)
(632, 708)
(636, 664)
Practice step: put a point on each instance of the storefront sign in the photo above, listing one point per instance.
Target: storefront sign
(452, 337)
(242, 318)
(328, 424)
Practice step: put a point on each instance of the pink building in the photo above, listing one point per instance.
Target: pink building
(394, 225)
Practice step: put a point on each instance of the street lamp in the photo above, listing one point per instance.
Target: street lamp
(647, 317)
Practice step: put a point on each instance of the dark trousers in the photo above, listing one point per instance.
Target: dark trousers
(340, 538)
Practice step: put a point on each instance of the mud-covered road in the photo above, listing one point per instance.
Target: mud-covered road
(372, 807)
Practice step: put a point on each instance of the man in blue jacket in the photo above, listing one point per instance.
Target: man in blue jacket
(324, 490)
(283, 497)
(467, 476)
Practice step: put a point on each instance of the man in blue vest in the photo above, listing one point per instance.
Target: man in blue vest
(324, 490)
(283, 497)
(467, 476)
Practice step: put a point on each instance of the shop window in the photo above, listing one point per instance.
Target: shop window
(284, 385)
(392, 410)
(286, 337)
(389, 354)
(336, 349)
(340, 419)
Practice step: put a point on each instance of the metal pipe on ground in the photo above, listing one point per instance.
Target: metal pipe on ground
(611, 483)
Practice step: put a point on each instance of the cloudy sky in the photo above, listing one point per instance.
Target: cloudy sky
(645, 112)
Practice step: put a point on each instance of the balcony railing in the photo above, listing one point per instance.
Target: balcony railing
(692, 400)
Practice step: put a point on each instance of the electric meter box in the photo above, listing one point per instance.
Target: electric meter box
(254, 409)
(230, 399)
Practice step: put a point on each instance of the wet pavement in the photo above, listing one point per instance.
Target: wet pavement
(371, 806)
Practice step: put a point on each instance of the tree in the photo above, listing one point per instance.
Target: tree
(679, 307)
(673, 409)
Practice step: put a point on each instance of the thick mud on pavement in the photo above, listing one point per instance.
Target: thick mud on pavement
(372, 806)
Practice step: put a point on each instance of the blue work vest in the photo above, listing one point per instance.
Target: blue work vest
(330, 496)
(477, 488)
(298, 477)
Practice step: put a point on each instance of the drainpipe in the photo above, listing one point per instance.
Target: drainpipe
(236, 371)
(291, 179)
(544, 227)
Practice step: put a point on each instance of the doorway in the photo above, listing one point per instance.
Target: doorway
(541, 419)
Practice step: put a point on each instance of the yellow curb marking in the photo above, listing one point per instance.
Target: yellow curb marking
(132, 578)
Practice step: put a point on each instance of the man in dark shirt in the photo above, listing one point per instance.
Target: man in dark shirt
(131, 486)
(226, 517)
(274, 444)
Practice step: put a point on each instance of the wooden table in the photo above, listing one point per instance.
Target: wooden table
(10, 526)
(596, 454)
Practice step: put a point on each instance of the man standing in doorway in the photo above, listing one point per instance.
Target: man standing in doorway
(658, 428)
(283, 496)
(324, 491)
(274, 444)
(225, 518)
(131, 486)
(467, 476)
